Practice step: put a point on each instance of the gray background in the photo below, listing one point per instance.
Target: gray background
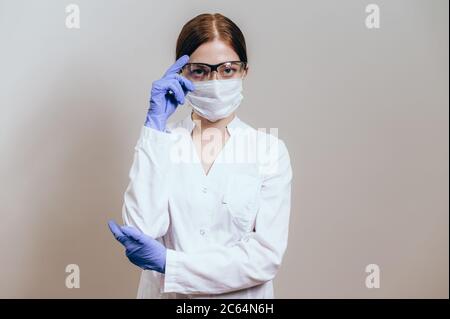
(363, 112)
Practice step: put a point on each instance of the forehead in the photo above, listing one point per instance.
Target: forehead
(213, 52)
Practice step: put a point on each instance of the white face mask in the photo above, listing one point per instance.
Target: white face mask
(216, 99)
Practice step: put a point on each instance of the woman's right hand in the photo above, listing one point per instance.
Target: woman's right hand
(166, 94)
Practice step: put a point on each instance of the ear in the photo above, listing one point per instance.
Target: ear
(245, 71)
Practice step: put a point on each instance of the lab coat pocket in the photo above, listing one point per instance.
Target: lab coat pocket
(242, 199)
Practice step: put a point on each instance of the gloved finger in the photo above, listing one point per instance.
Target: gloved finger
(185, 83)
(117, 232)
(178, 92)
(132, 232)
(115, 229)
(177, 65)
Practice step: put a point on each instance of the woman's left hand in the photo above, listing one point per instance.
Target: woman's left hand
(142, 250)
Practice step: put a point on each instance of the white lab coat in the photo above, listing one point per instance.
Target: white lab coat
(225, 232)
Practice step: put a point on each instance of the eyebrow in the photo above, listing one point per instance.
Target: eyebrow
(213, 64)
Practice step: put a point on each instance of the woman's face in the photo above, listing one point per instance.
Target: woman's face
(214, 52)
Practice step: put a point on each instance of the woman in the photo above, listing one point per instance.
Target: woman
(213, 224)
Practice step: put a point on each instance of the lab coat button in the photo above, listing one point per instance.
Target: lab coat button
(202, 232)
(204, 189)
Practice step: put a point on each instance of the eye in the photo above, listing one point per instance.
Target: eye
(229, 71)
(198, 71)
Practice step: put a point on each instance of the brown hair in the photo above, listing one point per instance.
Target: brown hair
(208, 27)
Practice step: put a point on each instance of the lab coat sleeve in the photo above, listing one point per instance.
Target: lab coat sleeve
(145, 203)
(249, 262)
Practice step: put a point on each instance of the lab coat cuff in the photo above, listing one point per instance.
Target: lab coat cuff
(171, 277)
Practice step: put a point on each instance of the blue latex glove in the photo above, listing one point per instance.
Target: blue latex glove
(167, 93)
(142, 250)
